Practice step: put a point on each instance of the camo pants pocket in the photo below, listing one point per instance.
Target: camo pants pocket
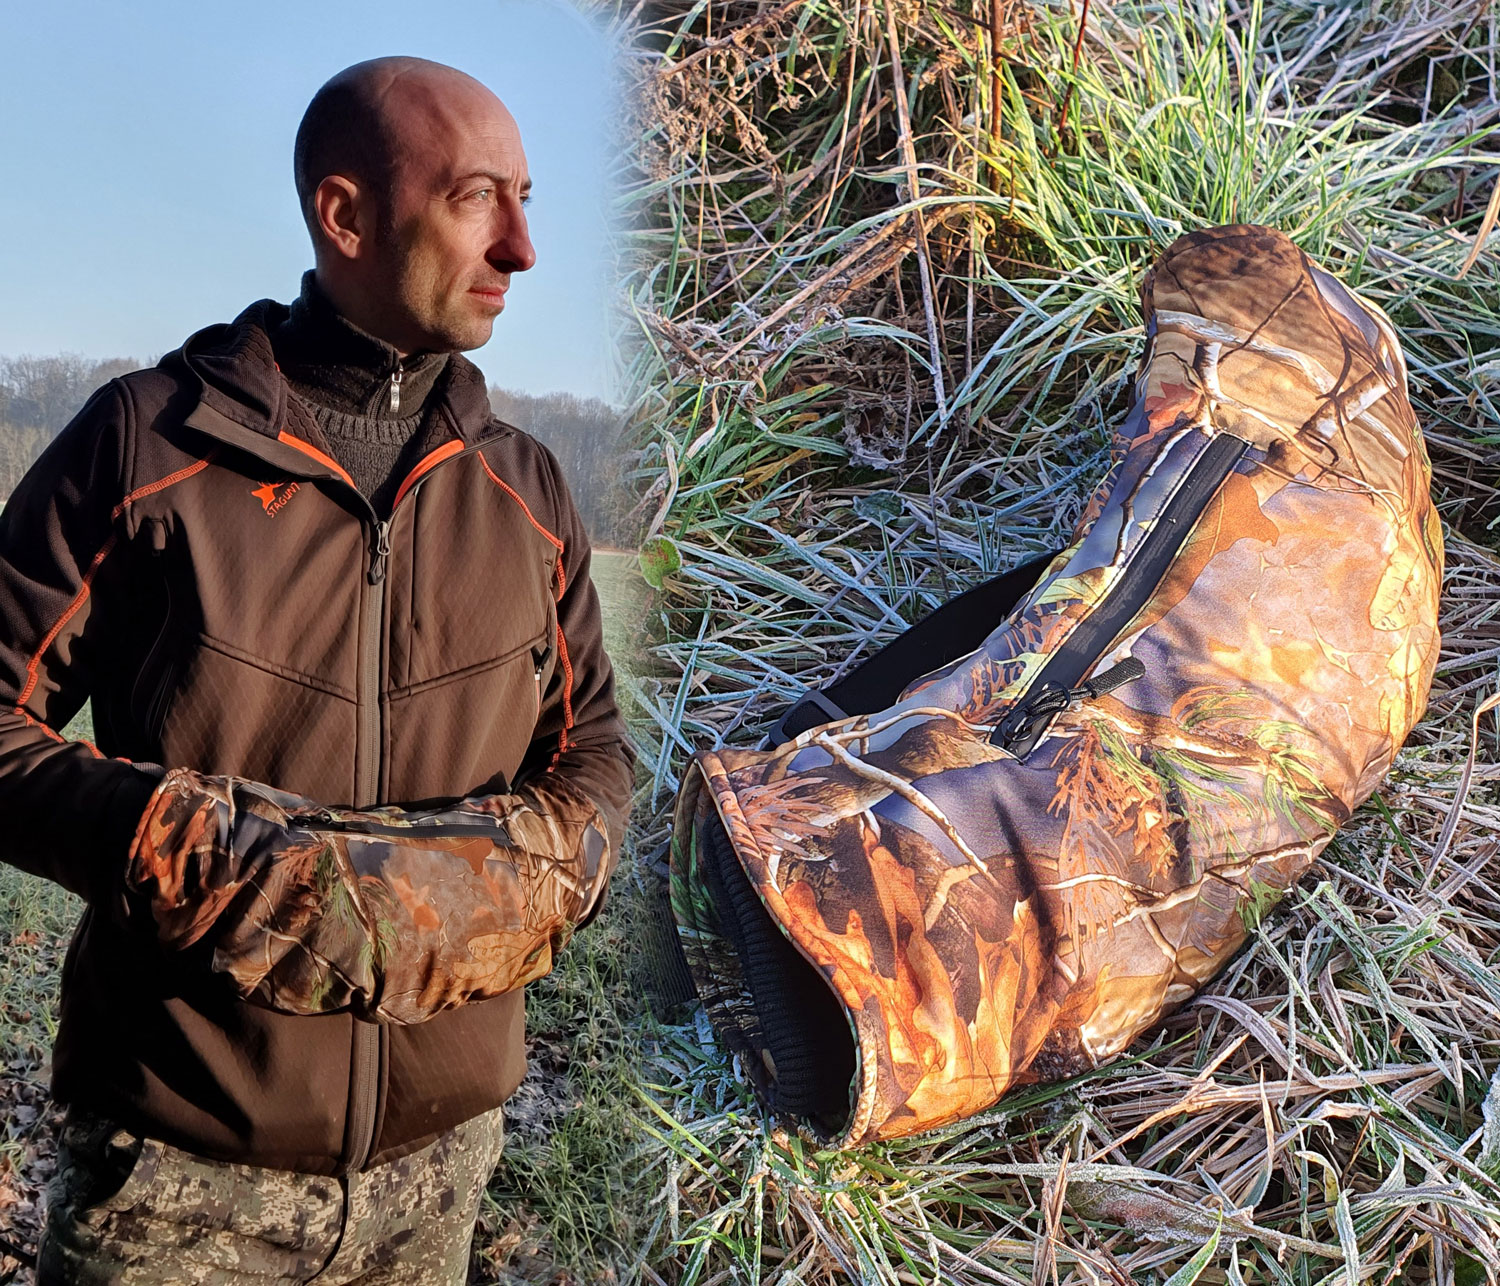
(176, 1219)
(102, 1170)
(125, 1211)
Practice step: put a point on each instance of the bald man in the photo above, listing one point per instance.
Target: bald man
(359, 770)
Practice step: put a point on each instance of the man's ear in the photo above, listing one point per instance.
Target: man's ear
(342, 216)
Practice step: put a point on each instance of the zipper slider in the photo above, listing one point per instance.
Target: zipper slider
(1023, 726)
(382, 550)
(396, 376)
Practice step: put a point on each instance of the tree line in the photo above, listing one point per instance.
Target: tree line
(586, 435)
(39, 395)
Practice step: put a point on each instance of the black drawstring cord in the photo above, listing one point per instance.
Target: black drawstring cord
(1051, 699)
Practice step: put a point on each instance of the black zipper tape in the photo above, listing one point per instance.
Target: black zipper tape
(1026, 722)
(160, 700)
(321, 822)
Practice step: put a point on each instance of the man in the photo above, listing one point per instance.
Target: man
(303, 572)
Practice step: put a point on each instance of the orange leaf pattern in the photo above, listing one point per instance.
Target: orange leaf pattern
(988, 920)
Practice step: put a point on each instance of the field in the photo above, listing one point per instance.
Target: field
(884, 262)
(879, 270)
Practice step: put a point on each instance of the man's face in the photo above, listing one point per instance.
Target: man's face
(453, 227)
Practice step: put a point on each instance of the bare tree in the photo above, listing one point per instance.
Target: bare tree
(585, 435)
(38, 396)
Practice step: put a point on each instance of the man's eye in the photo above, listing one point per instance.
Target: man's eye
(482, 192)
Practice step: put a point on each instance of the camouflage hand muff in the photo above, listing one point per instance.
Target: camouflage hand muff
(395, 914)
(1042, 847)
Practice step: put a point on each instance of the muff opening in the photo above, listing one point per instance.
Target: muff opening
(806, 1047)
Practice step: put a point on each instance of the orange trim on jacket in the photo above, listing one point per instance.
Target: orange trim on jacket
(562, 639)
(433, 457)
(71, 610)
(161, 484)
(291, 439)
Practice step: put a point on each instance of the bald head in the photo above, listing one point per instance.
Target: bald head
(360, 122)
(411, 178)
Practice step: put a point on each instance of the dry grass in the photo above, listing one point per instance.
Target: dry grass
(882, 286)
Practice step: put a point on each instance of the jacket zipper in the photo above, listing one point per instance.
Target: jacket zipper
(1057, 684)
(541, 664)
(148, 714)
(158, 540)
(367, 1037)
(370, 1048)
(160, 699)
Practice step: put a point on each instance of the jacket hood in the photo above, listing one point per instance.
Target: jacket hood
(233, 366)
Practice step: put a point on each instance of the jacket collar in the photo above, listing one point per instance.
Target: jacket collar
(328, 358)
(242, 396)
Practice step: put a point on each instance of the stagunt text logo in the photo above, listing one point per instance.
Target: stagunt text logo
(270, 501)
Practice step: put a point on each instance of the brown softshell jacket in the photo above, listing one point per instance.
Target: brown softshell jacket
(189, 555)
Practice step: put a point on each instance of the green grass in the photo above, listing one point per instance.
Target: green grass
(561, 1203)
(834, 445)
(622, 604)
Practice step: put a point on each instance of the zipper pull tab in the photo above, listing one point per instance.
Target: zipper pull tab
(1022, 728)
(1127, 671)
(382, 550)
(396, 376)
(539, 659)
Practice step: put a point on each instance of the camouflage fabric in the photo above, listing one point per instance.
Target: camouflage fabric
(395, 914)
(127, 1211)
(1007, 875)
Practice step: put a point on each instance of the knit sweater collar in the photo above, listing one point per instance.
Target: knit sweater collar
(327, 357)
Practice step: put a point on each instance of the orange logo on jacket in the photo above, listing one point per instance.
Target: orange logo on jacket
(268, 498)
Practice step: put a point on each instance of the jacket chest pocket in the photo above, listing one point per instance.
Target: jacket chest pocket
(470, 730)
(472, 611)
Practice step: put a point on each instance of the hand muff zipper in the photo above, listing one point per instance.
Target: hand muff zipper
(1029, 718)
(1021, 729)
(328, 821)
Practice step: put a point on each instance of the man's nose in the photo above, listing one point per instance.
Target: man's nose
(512, 250)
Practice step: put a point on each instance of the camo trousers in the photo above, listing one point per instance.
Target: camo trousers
(127, 1211)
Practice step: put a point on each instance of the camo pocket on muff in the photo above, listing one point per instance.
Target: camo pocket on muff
(1042, 847)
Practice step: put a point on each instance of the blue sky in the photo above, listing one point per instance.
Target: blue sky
(146, 153)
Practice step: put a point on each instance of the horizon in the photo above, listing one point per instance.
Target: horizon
(491, 386)
(181, 119)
